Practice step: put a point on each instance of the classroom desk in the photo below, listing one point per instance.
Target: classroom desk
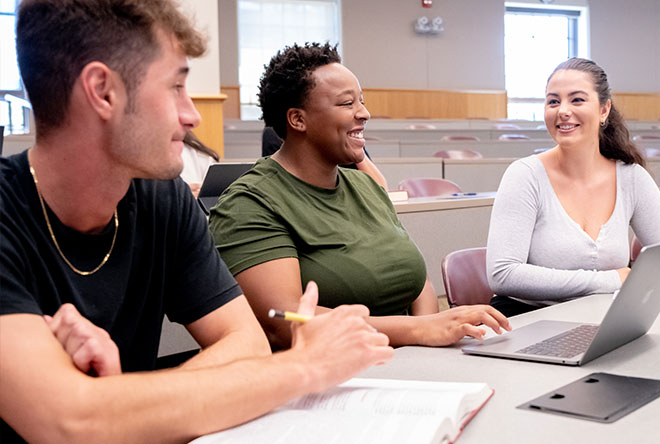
(653, 165)
(516, 382)
(439, 226)
(476, 174)
(396, 169)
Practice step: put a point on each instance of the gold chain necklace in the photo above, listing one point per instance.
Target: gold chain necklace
(52, 234)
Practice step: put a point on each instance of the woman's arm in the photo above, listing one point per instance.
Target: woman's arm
(427, 301)
(276, 284)
(372, 170)
(512, 223)
(645, 219)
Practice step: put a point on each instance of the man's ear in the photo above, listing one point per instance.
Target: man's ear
(100, 87)
(296, 119)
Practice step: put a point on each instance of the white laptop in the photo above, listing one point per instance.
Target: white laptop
(630, 316)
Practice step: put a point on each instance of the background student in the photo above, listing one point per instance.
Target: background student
(559, 226)
(298, 217)
(197, 158)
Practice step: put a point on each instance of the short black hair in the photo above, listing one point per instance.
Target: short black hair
(56, 39)
(288, 80)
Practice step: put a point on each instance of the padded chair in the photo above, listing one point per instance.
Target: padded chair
(464, 276)
(428, 186)
(635, 248)
(513, 137)
(459, 138)
(458, 154)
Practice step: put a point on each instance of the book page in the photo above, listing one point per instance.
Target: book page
(365, 411)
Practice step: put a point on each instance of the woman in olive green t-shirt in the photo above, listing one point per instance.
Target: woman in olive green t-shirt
(298, 217)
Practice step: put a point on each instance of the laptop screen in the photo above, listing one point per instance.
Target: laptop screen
(218, 178)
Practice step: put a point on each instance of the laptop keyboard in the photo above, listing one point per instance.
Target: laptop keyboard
(564, 345)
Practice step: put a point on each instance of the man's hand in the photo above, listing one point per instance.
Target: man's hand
(195, 188)
(89, 346)
(451, 325)
(339, 344)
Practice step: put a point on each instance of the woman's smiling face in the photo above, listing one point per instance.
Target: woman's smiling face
(335, 115)
(573, 112)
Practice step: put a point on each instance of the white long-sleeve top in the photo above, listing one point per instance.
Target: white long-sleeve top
(538, 254)
(195, 165)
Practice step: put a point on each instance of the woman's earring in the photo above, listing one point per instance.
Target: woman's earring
(602, 123)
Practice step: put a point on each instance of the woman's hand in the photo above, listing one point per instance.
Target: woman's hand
(623, 273)
(451, 325)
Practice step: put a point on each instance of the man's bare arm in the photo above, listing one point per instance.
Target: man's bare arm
(46, 398)
(227, 334)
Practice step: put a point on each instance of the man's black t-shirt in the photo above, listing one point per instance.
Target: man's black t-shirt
(163, 262)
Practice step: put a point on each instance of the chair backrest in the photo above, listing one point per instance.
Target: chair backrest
(458, 154)
(652, 152)
(428, 186)
(464, 276)
(513, 137)
(641, 137)
(421, 126)
(506, 126)
(455, 138)
(635, 248)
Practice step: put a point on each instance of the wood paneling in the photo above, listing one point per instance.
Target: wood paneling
(232, 106)
(638, 106)
(210, 130)
(435, 104)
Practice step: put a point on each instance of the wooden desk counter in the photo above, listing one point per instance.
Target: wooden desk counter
(516, 382)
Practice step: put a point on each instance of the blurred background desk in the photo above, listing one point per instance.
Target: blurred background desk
(439, 226)
(516, 382)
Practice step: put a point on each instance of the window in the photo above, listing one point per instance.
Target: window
(267, 26)
(14, 109)
(536, 40)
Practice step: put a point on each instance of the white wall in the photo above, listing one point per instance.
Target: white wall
(381, 47)
(625, 41)
(379, 44)
(228, 21)
(204, 77)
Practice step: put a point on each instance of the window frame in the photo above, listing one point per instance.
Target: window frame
(578, 37)
(249, 109)
(16, 98)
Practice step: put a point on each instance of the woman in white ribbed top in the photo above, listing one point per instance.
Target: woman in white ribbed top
(559, 226)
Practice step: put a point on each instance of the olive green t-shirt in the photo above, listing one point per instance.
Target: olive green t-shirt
(348, 239)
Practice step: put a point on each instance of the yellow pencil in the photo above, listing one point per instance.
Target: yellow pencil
(288, 315)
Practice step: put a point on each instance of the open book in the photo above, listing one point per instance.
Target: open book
(367, 411)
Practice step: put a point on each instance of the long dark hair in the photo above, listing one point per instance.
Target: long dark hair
(192, 141)
(614, 138)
